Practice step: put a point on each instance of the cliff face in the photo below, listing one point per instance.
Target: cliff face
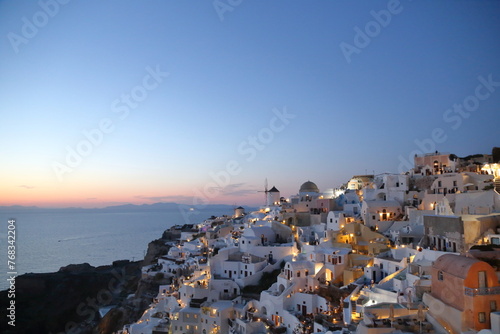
(130, 310)
(68, 301)
(156, 249)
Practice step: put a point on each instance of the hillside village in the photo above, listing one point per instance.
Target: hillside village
(417, 252)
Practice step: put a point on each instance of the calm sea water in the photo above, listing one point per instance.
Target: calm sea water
(46, 241)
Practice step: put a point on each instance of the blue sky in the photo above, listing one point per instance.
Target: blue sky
(231, 70)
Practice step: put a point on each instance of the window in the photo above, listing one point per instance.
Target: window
(482, 279)
(493, 306)
(481, 317)
(440, 275)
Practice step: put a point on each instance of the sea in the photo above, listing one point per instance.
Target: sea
(47, 240)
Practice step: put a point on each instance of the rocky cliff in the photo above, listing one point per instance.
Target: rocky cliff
(68, 301)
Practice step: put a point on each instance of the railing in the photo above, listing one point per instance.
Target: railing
(482, 291)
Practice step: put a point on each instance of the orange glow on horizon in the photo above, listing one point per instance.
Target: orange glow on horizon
(90, 198)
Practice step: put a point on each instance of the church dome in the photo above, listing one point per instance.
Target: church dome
(309, 187)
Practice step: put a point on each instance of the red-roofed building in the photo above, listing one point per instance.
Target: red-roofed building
(464, 292)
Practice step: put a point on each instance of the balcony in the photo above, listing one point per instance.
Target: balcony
(482, 291)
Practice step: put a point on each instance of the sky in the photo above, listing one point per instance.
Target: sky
(199, 102)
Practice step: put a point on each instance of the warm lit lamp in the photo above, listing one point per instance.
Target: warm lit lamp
(493, 169)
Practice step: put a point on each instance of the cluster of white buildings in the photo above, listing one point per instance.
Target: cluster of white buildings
(388, 253)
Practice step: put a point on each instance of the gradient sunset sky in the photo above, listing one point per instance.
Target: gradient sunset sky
(104, 103)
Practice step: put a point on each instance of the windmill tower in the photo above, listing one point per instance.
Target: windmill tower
(271, 196)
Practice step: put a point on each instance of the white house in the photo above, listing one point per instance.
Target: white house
(374, 212)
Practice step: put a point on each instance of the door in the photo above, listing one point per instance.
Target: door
(304, 310)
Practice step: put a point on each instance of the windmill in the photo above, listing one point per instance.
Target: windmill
(265, 191)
